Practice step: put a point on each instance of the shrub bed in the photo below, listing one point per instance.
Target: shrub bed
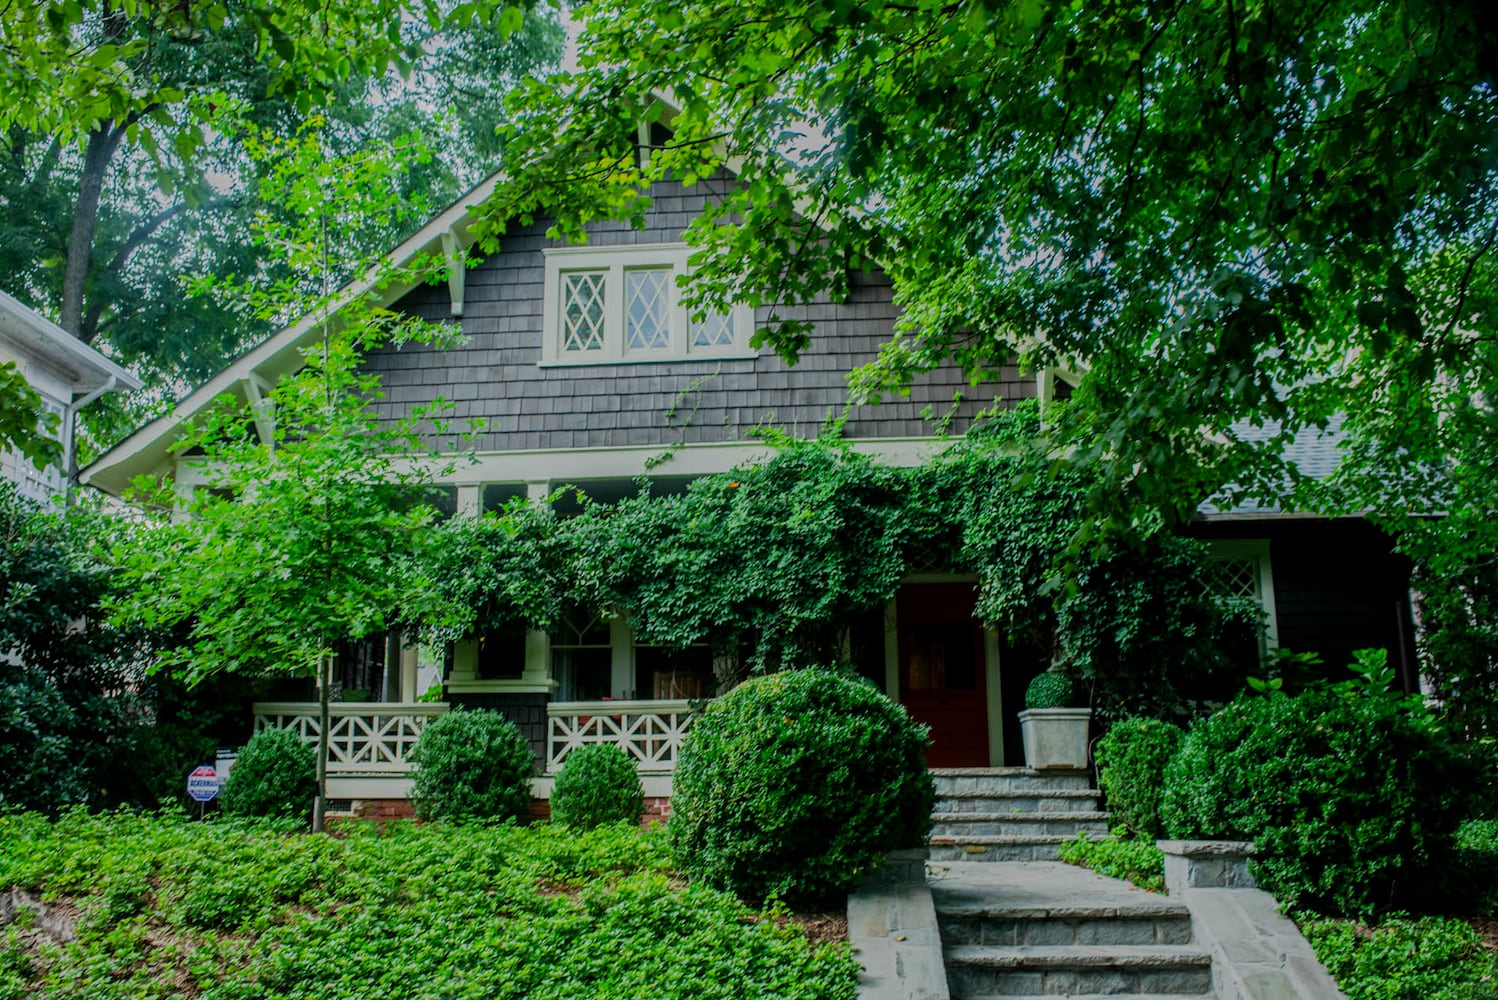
(598, 784)
(1352, 803)
(1131, 760)
(795, 784)
(274, 775)
(471, 765)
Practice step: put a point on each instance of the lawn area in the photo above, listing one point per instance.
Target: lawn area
(166, 907)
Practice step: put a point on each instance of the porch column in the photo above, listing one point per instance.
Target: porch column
(408, 672)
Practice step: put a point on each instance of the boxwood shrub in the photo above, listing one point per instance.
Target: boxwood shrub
(598, 784)
(471, 765)
(1131, 761)
(1051, 689)
(794, 785)
(274, 775)
(1352, 802)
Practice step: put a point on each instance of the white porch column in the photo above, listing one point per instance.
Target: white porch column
(408, 672)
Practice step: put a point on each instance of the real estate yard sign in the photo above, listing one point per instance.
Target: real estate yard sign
(202, 785)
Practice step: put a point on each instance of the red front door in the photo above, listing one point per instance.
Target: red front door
(943, 681)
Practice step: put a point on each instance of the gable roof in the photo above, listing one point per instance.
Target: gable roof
(86, 369)
(148, 449)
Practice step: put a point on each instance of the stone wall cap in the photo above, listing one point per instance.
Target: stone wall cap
(1205, 848)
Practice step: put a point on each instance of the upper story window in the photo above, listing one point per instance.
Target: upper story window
(614, 305)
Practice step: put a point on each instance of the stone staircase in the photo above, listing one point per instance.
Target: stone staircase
(1021, 925)
(1031, 930)
(1010, 813)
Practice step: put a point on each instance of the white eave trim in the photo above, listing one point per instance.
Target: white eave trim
(87, 368)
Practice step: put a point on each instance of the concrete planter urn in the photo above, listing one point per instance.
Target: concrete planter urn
(1056, 737)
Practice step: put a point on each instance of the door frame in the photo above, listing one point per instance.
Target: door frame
(994, 695)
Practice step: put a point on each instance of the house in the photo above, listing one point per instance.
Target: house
(66, 373)
(587, 371)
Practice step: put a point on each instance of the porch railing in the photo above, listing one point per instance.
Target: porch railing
(373, 738)
(651, 732)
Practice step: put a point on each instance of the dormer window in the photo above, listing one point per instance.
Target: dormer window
(615, 305)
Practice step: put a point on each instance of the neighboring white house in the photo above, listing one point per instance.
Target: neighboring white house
(67, 373)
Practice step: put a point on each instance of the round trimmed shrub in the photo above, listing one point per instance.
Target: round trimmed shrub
(1352, 803)
(274, 775)
(471, 765)
(597, 785)
(796, 784)
(1051, 689)
(1131, 761)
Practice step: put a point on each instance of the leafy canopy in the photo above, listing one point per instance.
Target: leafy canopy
(1235, 219)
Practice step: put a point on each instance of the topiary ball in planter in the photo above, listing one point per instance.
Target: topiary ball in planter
(471, 765)
(796, 784)
(274, 775)
(1051, 689)
(597, 785)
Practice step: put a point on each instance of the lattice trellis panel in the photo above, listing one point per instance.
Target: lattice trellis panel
(651, 738)
(358, 743)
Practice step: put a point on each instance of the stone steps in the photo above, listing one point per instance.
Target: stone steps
(1010, 813)
(1034, 930)
(1067, 970)
(1068, 824)
(996, 848)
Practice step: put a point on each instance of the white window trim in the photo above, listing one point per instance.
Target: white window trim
(1256, 549)
(614, 262)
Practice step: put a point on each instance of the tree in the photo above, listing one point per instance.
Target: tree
(306, 532)
(1236, 219)
(121, 171)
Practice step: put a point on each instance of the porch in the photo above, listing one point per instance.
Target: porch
(369, 743)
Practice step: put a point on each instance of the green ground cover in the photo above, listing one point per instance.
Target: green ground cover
(165, 907)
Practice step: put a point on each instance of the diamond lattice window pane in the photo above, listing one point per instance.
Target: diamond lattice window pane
(582, 311)
(1234, 578)
(645, 315)
(713, 331)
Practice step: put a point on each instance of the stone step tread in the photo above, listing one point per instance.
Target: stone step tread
(1079, 956)
(1002, 772)
(999, 839)
(1019, 793)
(1091, 996)
(1149, 908)
(1079, 816)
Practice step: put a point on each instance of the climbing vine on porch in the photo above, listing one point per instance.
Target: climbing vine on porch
(770, 563)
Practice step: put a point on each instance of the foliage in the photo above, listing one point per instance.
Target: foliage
(1051, 689)
(26, 426)
(772, 558)
(769, 563)
(1430, 958)
(795, 784)
(254, 910)
(471, 765)
(274, 775)
(78, 719)
(1131, 758)
(598, 784)
(1474, 868)
(1121, 854)
(1352, 805)
(124, 170)
(1233, 223)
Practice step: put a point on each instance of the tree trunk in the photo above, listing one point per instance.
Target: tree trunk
(102, 143)
(324, 684)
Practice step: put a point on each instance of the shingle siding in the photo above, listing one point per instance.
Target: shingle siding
(494, 374)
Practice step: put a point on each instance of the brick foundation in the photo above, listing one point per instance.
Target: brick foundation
(657, 810)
